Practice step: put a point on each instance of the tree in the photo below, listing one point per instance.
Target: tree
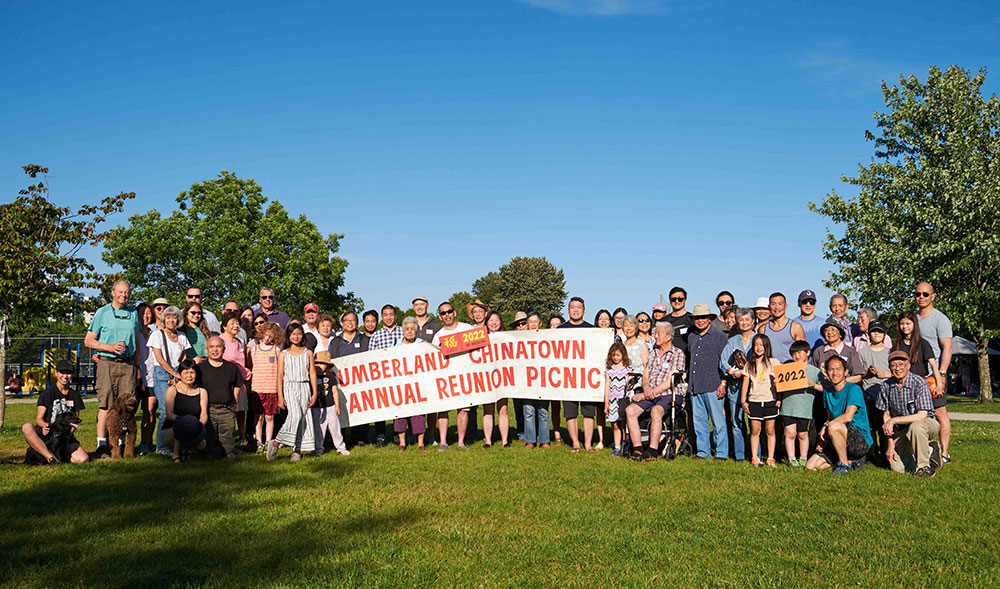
(223, 240)
(523, 284)
(928, 207)
(41, 261)
(459, 300)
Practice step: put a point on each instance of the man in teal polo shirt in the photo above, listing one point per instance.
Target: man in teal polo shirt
(112, 335)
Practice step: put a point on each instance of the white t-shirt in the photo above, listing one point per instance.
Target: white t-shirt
(175, 350)
(445, 331)
(146, 358)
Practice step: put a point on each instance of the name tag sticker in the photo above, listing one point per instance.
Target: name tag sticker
(428, 331)
(357, 344)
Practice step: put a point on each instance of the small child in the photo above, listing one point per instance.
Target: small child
(263, 361)
(797, 407)
(759, 398)
(296, 393)
(614, 392)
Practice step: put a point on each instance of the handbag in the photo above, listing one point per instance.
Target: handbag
(738, 359)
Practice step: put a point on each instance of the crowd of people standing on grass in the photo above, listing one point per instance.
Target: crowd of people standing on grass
(256, 380)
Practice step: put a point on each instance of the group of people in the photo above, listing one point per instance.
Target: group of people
(223, 385)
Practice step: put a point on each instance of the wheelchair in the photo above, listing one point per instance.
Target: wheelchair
(674, 439)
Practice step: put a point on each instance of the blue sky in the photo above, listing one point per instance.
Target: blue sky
(636, 144)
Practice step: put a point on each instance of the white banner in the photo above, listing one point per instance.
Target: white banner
(411, 379)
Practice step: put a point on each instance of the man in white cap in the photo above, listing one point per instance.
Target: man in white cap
(427, 326)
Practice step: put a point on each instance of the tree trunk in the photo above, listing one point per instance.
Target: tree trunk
(3, 371)
(983, 353)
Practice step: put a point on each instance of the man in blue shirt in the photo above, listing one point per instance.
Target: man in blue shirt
(846, 435)
(705, 345)
(112, 336)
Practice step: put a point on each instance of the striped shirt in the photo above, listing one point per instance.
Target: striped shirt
(265, 370)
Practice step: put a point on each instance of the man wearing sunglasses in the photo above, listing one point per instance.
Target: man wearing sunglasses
(112, 335)
(935, 327)
(812, 326)
(193, 295)
(450, 324)
(679, 318)
(269, 311)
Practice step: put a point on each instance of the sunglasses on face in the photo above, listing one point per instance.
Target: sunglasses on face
(644, 321)
(809, 302)
(723, 303)
(448, 312)
(921, 295)
(258, 323)
(266, 297)
(194, 312)
(676, 299)
(310, 311)
(193, 296)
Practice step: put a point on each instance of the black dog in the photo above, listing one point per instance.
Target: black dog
(60, 435)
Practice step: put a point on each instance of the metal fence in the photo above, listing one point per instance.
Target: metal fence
(34, 360)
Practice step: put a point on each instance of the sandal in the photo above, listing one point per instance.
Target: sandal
(402, 447)
(575, 450)
(637, 455)
(422, 448)
(177, 459)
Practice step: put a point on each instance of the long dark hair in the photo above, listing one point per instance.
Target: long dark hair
(752, 360)
(201, 326)
(915, 337)
(290, 330)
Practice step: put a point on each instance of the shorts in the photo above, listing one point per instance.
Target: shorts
(759, 411)
(71, 446)
(941, 401)
(263, 403)
(113, 379)
(662, 401)
(571, 409)
(801, 424)
(242, 403)
(857, 446)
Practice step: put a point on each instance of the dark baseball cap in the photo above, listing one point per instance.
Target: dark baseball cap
(65, 366)
(877, 326)
(807, 295)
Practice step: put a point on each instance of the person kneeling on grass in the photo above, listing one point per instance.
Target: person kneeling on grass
(909, 420)
(54, 401)
(846, 435)
(186, 409)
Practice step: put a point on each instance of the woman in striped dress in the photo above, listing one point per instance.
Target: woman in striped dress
(296, 393)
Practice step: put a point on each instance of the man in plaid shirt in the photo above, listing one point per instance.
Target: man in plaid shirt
(387, 337)
(909, 423)
(664, 361)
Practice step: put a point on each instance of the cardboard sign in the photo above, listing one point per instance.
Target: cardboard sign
(465, 341)
(790, 377)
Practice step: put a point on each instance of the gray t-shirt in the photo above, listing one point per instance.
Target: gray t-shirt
(880, 360)
(933, 328)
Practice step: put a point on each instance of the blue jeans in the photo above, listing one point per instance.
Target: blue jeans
(161, 382)
(737, 419)
(536, 433)
(707, 405)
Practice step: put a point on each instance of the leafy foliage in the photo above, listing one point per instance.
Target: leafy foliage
(929, 204)
(224, 240)
(523, 284)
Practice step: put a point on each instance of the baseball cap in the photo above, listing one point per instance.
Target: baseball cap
(877, 326)
(311, 307)
(424, 299)
(807, 295)
(899, 355)
(661, 307)
(64, 366)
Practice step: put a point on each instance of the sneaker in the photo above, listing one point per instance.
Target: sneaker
(463, 447)
(296, 457)
(936, 463)
(858, 464)
(380, 442)
(841, 468)
(344, 452)
(772, 463)
(53, 462)
(755, 462)
(599, 446)
(272, 450)
(104, 451)
(261, 449)
(946, 459)
(616, 452)
(141, 450)
(165, 452)
(925, 472)
(442, 447)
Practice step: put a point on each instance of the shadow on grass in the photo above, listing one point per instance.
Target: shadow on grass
(152, 522)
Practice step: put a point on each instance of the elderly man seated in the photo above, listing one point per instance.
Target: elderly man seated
(663, 362)
(909, 421)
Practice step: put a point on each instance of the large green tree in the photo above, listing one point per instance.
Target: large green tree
(928, 207)
(226, 238)
(523, 284)
(41, 266)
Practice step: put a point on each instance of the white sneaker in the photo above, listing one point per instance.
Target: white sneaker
(599, 446)
(344, 452)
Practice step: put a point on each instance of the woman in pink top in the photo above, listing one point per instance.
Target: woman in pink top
(235, 353)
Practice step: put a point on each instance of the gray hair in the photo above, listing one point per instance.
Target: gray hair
(839, 296)
(409, 320)
(172, 310)
(870, 313)
(665, 325)
(630, 319)
(743, 312)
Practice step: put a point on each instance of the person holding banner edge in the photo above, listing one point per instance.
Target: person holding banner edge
(573, 408)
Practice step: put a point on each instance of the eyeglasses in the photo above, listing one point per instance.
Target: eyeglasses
(311, 311)
(676, 299)
(721, 304)
(448, 312)
(921, 295)
(259, 323)
(194, 312)
(808, 302)
(644, 321)
(266, 297)
(190, 296)
(114, 313)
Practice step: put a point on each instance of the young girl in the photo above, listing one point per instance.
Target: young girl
(759, 398)
(614, 392)
(296, 393)
(262, 360)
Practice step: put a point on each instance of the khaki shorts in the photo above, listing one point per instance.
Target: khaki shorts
(113, 379)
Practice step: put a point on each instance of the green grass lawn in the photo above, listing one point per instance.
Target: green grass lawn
(971, 405)
(498, 517)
